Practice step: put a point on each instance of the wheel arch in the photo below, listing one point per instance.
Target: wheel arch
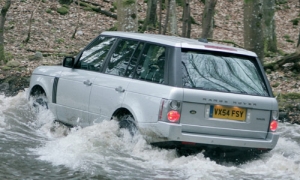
(37, 90)
(122, 111)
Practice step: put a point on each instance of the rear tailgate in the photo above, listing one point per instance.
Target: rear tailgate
(226, 114)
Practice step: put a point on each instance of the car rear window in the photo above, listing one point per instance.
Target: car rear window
(223, 72)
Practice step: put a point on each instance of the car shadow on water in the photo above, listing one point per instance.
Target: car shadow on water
(221, 155)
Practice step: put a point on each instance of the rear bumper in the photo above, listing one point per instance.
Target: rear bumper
(173, 132)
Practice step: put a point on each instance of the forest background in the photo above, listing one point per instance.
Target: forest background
(42, 32)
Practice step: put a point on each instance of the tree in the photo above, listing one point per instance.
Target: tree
(4, 10)
(173, 19)
(270, 39)
(160, 16)
(253, 33)
(167, 16)
(151, 17)
(78, 19)
(186, 17)
(30, 21)
(208, 18)
(127, 15)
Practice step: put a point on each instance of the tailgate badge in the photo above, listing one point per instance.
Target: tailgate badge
(193, 112)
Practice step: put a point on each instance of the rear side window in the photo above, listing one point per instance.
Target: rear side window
(222, 72)
(151, 64)
(93, 57)
(120, 58)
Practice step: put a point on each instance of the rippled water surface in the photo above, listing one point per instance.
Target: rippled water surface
(33, 147)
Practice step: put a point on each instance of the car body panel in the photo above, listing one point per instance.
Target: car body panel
(73, 92)
(106, 88)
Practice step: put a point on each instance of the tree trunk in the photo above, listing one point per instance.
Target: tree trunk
(270, 41)
(298, 40)
(78, 19)
(208, 18)
(167, 17)
(173, 19)
(292, 58)
(4, 10)
(151, 17)
(160, 16)
(30, 22)
(186, 17)
(253, 32)
(127, 15)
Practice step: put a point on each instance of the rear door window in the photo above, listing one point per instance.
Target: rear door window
(121, 57)
(222, 72)
(152, 64)
(93, 56)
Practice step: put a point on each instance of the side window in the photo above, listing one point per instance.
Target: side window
(120, 58)
(151, 64)
(133, 62)
(92, 58)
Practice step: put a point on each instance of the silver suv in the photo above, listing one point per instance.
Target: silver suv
(175, 91)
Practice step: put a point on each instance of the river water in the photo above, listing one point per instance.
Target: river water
(33, 147)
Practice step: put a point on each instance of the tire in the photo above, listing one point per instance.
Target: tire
(39, 102)
(127, 122)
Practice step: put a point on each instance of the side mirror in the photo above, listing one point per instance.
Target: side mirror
(69, 62)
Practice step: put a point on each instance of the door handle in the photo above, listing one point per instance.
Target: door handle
(120, 89)
(87, 82)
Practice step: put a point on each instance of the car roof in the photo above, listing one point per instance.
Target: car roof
(181, 42)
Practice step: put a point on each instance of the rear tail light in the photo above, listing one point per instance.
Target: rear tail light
(169, 111)
(173, 116)
(274, 122)
(273, 125)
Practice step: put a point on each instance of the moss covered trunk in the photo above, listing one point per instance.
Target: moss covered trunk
(2, 21)
(151, 16)
(270, 41)
(127, 15)
(253, 31)
(208, 17)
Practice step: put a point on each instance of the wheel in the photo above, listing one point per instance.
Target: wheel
(39, 102)
(127, 122)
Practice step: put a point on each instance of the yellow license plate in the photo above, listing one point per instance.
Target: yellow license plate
(226, 112)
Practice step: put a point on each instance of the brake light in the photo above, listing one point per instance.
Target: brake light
(273, 125)
(173, 116)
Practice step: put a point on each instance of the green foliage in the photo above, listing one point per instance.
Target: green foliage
(193, 21)
(203, 1)
(6, 68)
(180, 3)
(133, 16)
(68, 2)
(288, 38)
(59, 40)
(8, 56)
(128, 2)
(276, 85)
(279, 2)
(63, 10)
(114, 28)
(13, 63)
(112, 9)
(295, 21)
(49, 11)
(291, 96)
(114, 4)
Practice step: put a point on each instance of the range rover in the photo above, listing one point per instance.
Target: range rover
(175, 91)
